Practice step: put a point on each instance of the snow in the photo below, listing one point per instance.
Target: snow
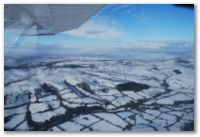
(142, 128)
(121, 101)
(15, 121)
(71, 104)
(69, 95)
(71, 79)
(70, 126)
(180, 97)
(16, 99)
(133, 95)
(108, 97)
(154, 113)
(161, 122)
(23, 126)
(42, 117)
(60, 111)
(38, 107)
(170, 119)
(125, 114)
(48, 98)
(166, 101)
(189, 116)
(147, 116)
(104, 126)
(19, 110)
(86, 119)
(140, 120)
(54, 104)
(55, 129)
(157, 107)
(112, 118)
(83, 100)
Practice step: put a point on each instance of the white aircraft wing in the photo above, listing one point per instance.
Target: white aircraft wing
(47, 19)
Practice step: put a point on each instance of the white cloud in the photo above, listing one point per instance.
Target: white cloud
(96, 30)
(151, 44)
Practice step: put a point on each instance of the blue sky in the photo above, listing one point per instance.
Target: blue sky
(146, 26)
(152, 22)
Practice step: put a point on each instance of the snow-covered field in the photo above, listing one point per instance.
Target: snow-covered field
(94, 94)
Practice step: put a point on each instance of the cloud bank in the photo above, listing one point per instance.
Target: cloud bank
(96, 30)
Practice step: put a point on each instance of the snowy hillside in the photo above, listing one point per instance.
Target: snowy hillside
(94, 94)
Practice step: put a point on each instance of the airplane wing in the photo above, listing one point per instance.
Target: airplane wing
(47, 19)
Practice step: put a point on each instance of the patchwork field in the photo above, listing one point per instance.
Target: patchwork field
(92, 94)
